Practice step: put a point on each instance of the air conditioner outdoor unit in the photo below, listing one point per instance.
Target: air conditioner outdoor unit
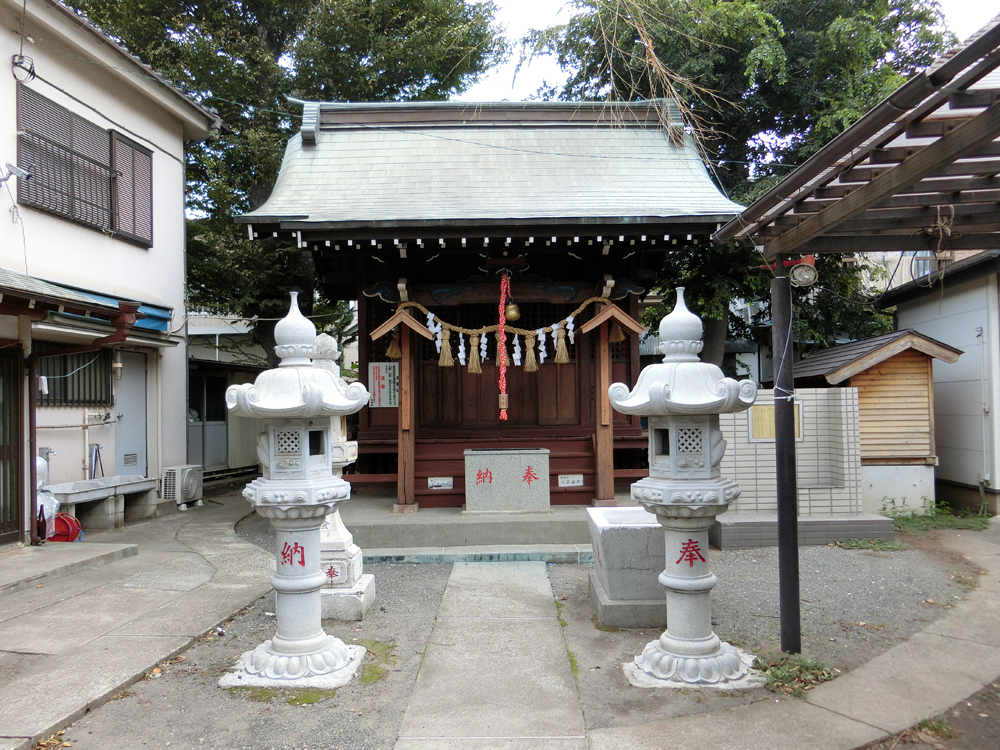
(183, 485)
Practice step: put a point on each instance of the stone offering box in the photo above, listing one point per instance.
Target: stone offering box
(628, 555)
(507, 481)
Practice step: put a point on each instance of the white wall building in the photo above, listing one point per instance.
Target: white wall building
(966, 315)
(100, 221)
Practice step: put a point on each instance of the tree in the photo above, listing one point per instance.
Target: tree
(765, 83)
(244, 58)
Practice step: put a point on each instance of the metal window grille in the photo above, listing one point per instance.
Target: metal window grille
(82, 379)
(83, 172)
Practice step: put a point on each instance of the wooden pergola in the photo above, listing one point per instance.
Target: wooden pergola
(919, 172)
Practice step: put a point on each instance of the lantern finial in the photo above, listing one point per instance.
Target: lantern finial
(295, 337)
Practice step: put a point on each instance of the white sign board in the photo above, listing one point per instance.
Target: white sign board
(440, 483)
(383, 384)
(571, 480)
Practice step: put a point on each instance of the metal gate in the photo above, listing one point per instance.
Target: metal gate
(11, 446)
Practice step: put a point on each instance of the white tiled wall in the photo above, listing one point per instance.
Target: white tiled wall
(828, 455)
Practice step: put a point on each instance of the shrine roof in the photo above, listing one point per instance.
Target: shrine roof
(435, 163)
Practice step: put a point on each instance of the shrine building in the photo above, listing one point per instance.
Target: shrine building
(423, 212)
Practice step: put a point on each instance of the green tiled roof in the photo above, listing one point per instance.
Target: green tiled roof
(447, 161)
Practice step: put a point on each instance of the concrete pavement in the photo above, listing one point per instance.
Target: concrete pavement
(71, 638)
(497, 674)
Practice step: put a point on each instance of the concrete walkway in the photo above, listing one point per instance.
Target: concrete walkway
(72, 638)
(496, 674)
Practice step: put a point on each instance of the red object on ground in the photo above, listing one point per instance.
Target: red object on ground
(67, 529)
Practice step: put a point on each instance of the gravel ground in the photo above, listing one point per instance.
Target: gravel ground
(855, 604)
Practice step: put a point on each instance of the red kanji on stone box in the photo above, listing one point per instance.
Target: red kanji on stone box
(690, 551)
(529, 476)
(289, 551)
(484, 476)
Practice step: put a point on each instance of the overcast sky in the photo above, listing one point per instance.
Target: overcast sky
(965, 17)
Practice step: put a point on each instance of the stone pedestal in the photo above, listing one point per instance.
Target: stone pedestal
(347, 593)
(689, 652)
(300, 654)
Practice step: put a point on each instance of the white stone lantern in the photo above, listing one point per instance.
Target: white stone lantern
(683, 398)
(303, 409)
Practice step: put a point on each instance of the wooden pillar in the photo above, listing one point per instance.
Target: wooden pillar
(604, 458)
(406, 501)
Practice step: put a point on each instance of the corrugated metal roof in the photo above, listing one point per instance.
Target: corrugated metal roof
(19, 284)
(367, 166)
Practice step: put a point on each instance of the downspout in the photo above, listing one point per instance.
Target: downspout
(32, 448)
(128, 313)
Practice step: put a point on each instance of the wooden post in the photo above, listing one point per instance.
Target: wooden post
(407, 443)
(406, 435)
(605, 458)
(604, 492)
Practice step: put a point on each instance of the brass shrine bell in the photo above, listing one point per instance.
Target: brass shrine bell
(512, 311)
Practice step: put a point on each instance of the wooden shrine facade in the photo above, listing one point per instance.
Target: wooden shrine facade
(422, 208)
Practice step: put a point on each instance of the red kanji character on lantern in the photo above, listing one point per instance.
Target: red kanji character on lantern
(529, 476)
(689, 551)
(484, 477)
(288, 553)
(332, 573)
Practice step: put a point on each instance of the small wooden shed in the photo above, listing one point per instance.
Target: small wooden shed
(894, 377)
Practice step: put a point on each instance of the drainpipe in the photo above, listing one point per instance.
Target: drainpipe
(32, 447)
(128, 313)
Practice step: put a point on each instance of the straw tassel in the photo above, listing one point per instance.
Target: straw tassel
(446, 360)
(393, 351)
(530, 365)
(474, 367)
(562, 353)
(617, 334)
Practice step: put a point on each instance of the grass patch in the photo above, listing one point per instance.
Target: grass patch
(604, 628)
(573, 664)
(878, 545)
(559, 609)
(940, 727)
(794, 674)
(307, 696)
(291, 696)
(966, 582)
(382, 656)
(258, 694)
(936, 517)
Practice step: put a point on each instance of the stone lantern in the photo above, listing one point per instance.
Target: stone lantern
(683, 398)
(302, 408)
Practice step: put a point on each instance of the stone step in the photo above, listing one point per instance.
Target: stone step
(24, 567)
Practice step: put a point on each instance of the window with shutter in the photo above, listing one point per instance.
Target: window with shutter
(133, 189)
(83, 172)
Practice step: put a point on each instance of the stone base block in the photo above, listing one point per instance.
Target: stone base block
(627, 613)
(405, 507)
(752, 679)
(102, 515)
(507, 480)
(751, 530)
(330, 681)
(351, 603)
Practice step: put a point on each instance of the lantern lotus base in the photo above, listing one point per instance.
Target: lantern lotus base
(330, 667)
(728, 668)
